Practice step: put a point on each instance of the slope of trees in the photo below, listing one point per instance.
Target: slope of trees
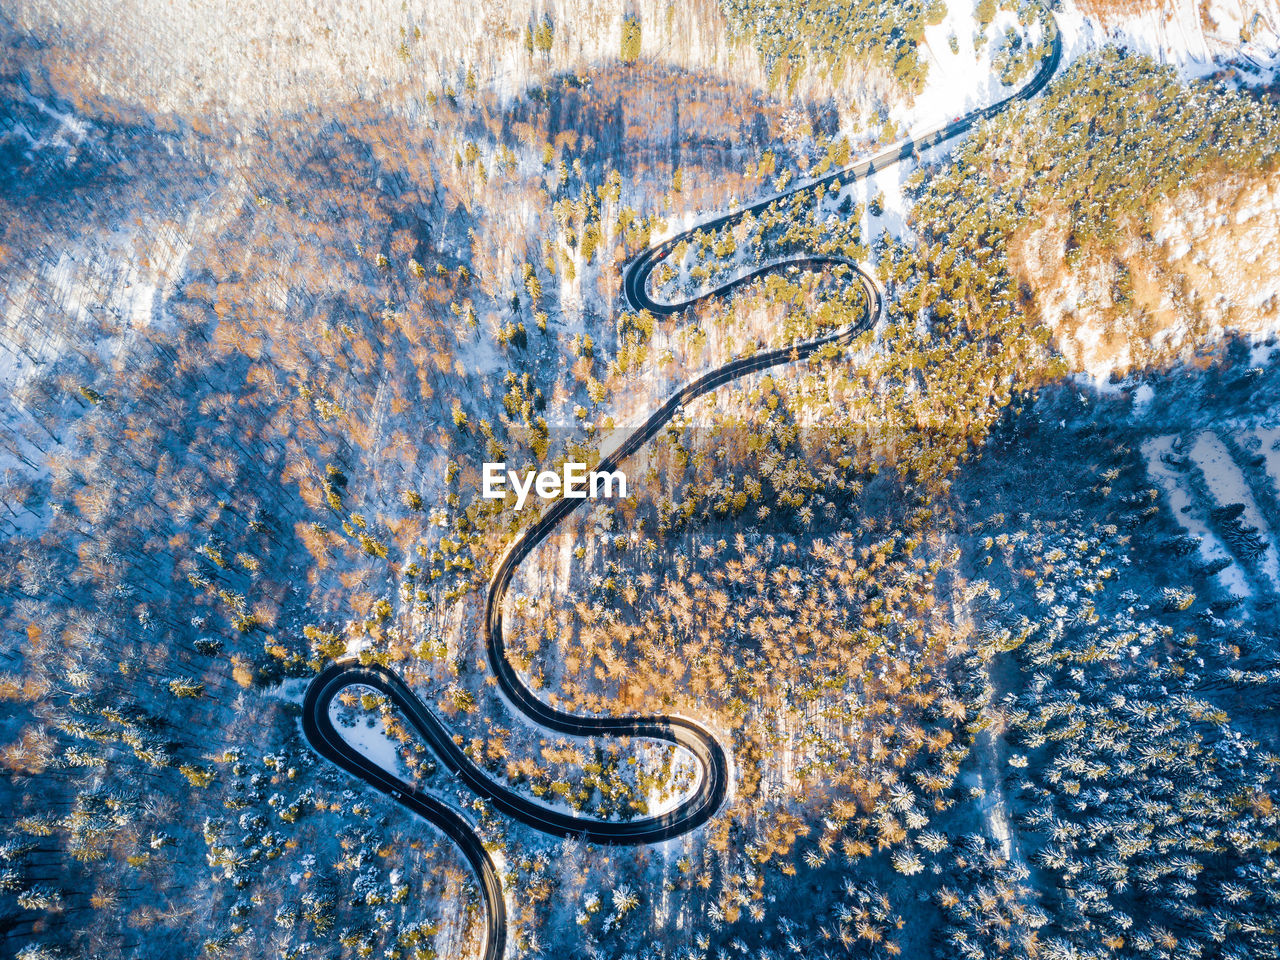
(794, 36)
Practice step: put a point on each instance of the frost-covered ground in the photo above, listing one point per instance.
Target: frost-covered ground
(961, 80)
(207, 55)
(95, 290)
(1197, 37)
(1209, 478)
(1159, 452)
(1226, 486)
(1207, 270)
(365, 731)
(1224, 243)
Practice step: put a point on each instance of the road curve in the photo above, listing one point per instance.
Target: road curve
(684, 732)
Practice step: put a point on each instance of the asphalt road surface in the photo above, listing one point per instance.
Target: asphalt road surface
(714, 771)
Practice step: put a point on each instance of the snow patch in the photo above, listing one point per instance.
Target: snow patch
(368, 736)
(294, 689)
(1227, 485)
(1142, 397)
(1211, 549)
(1194, 37)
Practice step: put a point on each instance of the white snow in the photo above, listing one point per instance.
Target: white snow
(1142, 397)
(1193, 36)
(99, 291)
(369, 736)
(1227, 485)
(960, 82)
(1231, 578)
(1098, 382)
(1260, 353)
(1206, 273)
(294, 689)
(1220, 238)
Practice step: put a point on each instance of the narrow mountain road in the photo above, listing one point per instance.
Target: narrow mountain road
(713, 763)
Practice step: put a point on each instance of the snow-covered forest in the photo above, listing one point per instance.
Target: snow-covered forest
(982, 605)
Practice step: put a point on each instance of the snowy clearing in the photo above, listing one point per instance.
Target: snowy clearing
(1171, 481)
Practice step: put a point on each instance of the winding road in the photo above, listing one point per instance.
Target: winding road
(713, 764)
